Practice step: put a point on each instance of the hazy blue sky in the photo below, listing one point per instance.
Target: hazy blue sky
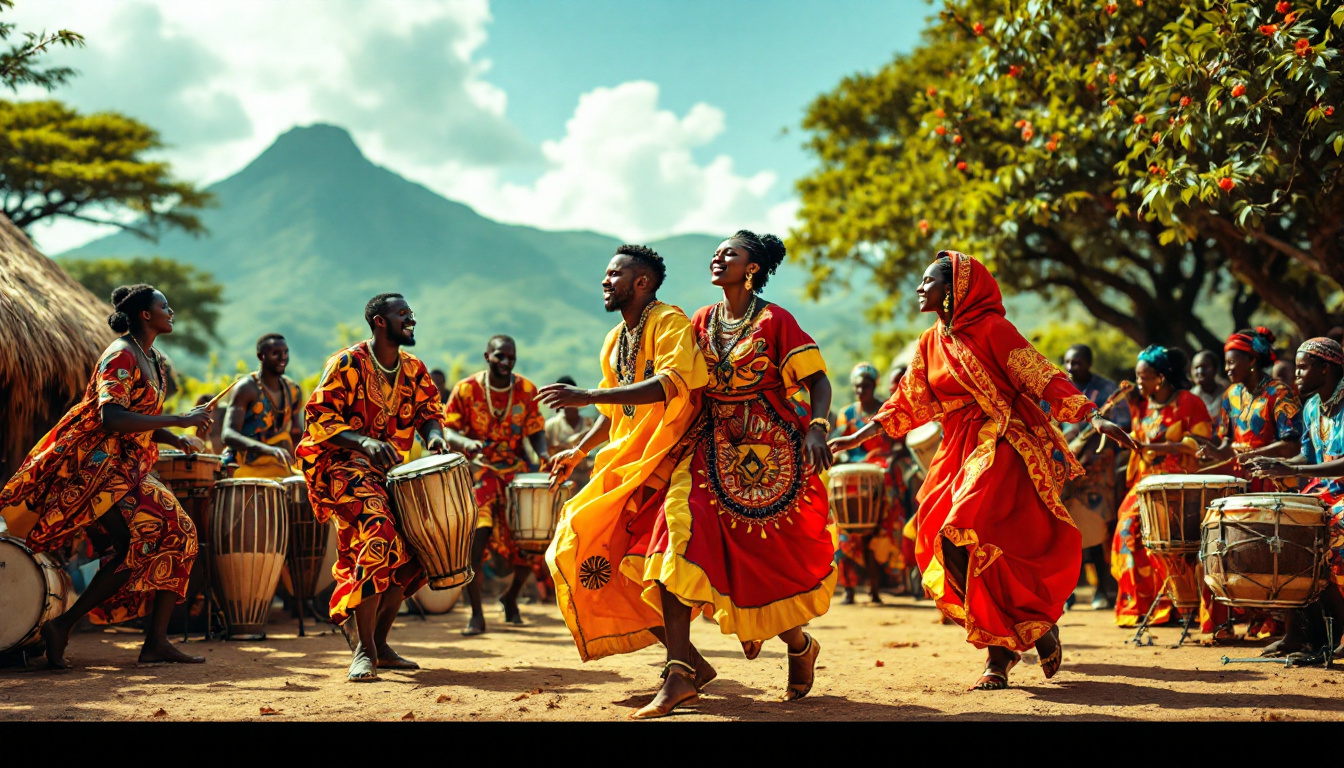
(639, 119)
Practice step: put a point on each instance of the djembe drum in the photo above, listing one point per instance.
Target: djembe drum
(534, 509)
(436, 515)
(191, 478)
(307, 539)
(1171, 508)
(34, 589)
(858, 496)
(251, 537)
(923, 443)
(1266, 550)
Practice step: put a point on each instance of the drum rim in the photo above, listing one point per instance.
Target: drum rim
(46, 593)
(173, 453)
(527, 479)
(291, 480)
(1300, 501)
(241, 482)
(936, 425)
(410, 468)
(1203, 481)
(856, 468)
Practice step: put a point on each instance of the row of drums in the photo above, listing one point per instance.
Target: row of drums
(253, 531)
(1252, 550)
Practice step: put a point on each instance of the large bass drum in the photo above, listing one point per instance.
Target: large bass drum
(1266, 550)
(436, 515)
(251, 537)
(33, 591)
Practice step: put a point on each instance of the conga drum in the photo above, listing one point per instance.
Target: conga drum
(191, 478)
(923, 443)
(33, 590)
(307, 539)
(858, 496)
(1171, 508)
(534, 509)
(1266, 550)
(250, 530)
(1184, 575)
(436, 515)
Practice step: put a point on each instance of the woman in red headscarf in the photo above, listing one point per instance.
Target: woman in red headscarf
(998, 551)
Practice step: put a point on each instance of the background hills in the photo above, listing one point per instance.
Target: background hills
(310, 229)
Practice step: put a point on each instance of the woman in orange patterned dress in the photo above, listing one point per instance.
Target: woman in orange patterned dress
(1166, 417)
(998, 552)
(97, 460)
(742, 530)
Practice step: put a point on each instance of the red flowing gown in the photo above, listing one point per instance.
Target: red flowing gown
(994, 485)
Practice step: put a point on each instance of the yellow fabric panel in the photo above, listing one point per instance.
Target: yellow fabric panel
(799, 364)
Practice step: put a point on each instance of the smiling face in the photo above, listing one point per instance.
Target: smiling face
(1077, 365)
(398, 323)
(274, 357)
(501, 357)
(1149, 380)
(730, 264)
(622, 283)
(1238, 366)
(159, 317)
(1311, 376)
(932, 288)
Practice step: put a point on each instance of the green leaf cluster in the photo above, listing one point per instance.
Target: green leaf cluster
(18, 61)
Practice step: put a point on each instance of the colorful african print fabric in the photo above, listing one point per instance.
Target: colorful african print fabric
(994, 486)
(610, 521)
(1255, 419)
(883, 544)
(78, 472)
(1322, 441)
(354, 396)
(743, 530)
(1139, 577)
(501, 421)
(268, 422)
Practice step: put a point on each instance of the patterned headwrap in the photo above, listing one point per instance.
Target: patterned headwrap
(1169, 362)
(863, 370)
(1156, 356)
(1323, 348)
(1258, 344)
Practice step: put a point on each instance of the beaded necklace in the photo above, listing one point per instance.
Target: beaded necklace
(627, 353)
(490, 401)
(735, 331)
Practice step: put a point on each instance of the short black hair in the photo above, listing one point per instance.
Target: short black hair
(378, 305)
(500, 339)
(567, 380)
(1080, 349)
(128, 301)
(767, 251)
(266, 340)
(648, 260)
(438, 371)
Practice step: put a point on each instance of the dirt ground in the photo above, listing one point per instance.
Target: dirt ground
(888, 662)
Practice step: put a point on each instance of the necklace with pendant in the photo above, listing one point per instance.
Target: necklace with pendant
(627, 353)
(723, 369)
(490, 401)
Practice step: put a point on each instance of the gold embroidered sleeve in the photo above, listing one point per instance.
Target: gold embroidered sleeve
(1029, 371)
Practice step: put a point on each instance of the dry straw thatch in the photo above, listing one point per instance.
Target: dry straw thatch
(52, 332)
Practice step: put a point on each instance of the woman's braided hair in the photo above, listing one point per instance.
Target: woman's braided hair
(127, 302)
(765, 250)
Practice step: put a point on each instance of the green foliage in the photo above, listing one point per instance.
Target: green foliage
(18, 60)
(192, 293)
(1113, 354)
(1050, 138)
(55, 161)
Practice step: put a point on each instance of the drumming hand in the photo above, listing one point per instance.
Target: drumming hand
(838, 445)
(196, 418)
(1115, 432)
(1263, 467)
(559, 396)
(437, 444)
(190, 444)
(563, 464)
(816, 451)
(470, 447)
(381, 454)
(283, 455)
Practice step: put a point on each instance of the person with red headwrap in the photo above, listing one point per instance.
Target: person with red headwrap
(998, 551)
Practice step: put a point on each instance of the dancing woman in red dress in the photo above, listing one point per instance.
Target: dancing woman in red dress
(998, 551)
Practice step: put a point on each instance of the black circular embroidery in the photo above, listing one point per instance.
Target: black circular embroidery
(595, 572)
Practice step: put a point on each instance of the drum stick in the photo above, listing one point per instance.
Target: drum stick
(213, 401)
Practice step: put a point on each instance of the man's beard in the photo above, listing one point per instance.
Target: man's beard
(401, 340)
(620, 300)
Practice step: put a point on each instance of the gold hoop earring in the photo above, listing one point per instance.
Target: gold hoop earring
(947, 303)
(749, 274)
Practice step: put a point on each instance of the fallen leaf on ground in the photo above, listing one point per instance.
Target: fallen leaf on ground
(553, 704)
(268, 711)
(408, 716)
(524, 709)
(535, 691)
(902, 644)
(880, 664)
(443, 699)
(520, 696)
(160, 713)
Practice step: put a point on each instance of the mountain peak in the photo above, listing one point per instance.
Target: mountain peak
(317, 143)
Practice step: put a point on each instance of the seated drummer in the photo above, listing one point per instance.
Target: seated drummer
(1320, 380)
(487, 417)
(264, 419)
(362, 420)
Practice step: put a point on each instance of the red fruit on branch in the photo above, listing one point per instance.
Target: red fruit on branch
(1185, 101)
(1268, 29)
(961, 166)
(1111, 78)
(956, 139)
(940, 113)
(1051, 146)
(1238, 89)
(923, 226)
(1302, 47)
(1329, 111)
(931, 91)
(1140, 119)
(1157, 138)
(940, 130)
(1112, 8)
(1027, 133)
(1290, 18)
(979, 29)
(1226, 184)
(1282, 6)
(1014, 71)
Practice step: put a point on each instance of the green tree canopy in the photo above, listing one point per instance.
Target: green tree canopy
(1083, 149)
(55, 161)
(18, 61)
(192, 293)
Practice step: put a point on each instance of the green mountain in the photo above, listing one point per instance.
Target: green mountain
(310, 229)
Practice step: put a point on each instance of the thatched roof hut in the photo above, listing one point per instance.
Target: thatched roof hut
(52, 331)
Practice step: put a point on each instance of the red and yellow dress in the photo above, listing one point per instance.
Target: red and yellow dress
(501, 421)
(994, 485)
(343, 484)
(1139, 577)
(742, 531)
(884, 544)
(78, 472)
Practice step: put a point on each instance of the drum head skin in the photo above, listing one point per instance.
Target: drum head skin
(1288, 501)
(295, 480)
(23, 592)
(858, 468)
(923, 434)
(173, 454)
(426, 464)
(1153, 482)
(234, 482)
(532, 479)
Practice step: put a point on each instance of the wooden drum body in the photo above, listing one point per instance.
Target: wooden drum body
(436, 514)
(534, 509)
(1266, 550)
(33, 590)
(858, 496)
(307, 539)
(251, 536)
(192, 480)
(1172, 507)
(923, 443)
(1185, 575)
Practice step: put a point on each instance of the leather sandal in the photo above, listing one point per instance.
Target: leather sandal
(994, 680)
(650, 711)
(1051, 664)
(803, 662)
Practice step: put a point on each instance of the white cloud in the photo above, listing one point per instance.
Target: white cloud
(221, 79)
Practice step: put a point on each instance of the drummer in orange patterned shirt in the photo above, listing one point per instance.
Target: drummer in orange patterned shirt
(362, 420)
(487, 418)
